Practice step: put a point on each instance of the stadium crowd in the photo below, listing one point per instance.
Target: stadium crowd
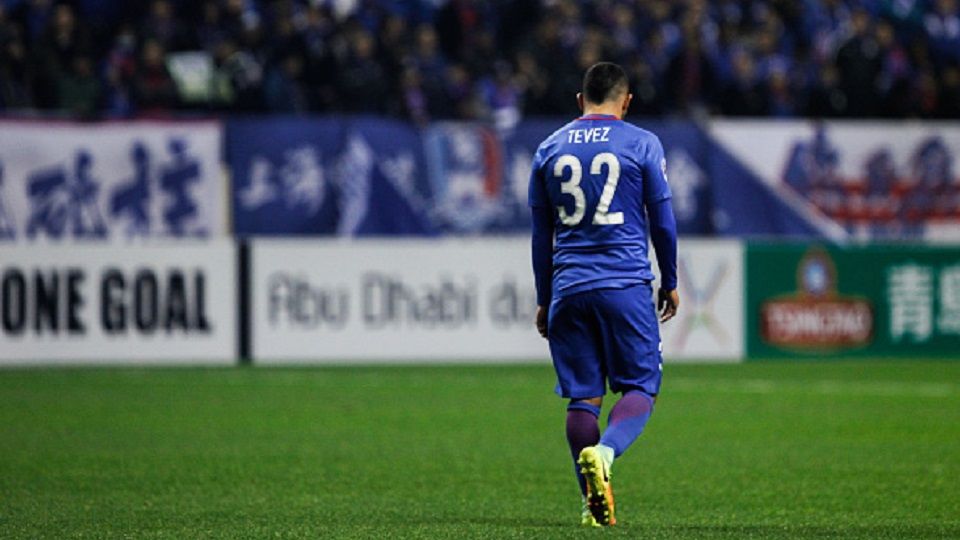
(472, 59)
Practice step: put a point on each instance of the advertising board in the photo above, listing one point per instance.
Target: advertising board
(113, 180)
(451, 300)
(892, 300)
(100, 303)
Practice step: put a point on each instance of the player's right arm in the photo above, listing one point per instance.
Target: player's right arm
(541, 243)
(663, 227)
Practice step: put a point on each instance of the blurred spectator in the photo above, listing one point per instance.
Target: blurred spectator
(119, 71)
(429, 59)
(623, 28)
(161, 26)
(460, 94)
(656, 55)
(690, 75)
(745, 94)
(284, 89)
(362, 82)
(545, 50)
(907, 15)
(532, 81)
(859, 62)
(79, 89)
(780, 100)
(237, 16)
(211, 28)
(63, 42)
(431, 66)
(462, 25)
(768, 48)
(33, 17)
(320, 40)
(393, 36)
(413, 99)
(571, 21)
(482, 56)
(942, 25)
(950, 94)
(500, 98)
(647, 92)
(15, 73)
(826, 98)
(155, 90)
(925, 96)
(237, 79)
(895, 73)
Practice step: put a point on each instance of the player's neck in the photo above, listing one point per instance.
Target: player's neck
(603, 109)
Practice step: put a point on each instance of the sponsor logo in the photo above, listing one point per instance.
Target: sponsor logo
(385, 301)
(466, 176)
(816, 316)
(700, 311)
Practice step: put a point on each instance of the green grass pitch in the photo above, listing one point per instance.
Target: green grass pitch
(778, 450)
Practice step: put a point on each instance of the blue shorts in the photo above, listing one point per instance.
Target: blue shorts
(605, 335)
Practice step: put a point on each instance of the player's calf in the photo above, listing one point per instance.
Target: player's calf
(582, 431)
(627, 420)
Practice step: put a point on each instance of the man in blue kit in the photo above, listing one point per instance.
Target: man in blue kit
(598, 185)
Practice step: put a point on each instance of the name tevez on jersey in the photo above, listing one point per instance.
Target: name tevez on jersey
(589, 135)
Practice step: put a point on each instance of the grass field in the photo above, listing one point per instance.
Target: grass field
(780, 450)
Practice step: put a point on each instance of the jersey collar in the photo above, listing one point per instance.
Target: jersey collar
(598, 117)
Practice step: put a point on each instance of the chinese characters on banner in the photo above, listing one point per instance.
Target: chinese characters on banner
(923, 301)
(111, 181)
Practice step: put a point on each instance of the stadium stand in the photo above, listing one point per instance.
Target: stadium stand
(467, 59)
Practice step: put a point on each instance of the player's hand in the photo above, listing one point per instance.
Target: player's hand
(667, 304)
(542, 320)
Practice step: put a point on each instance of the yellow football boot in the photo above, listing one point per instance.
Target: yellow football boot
(599, 491)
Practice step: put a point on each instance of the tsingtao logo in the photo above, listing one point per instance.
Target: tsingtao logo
(816, 316)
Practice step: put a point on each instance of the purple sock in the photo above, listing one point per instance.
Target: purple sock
(626, 421)
(582, 431)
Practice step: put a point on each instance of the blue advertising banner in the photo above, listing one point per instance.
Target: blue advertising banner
(375, 177)
(687, 151)
(327, 176)
(366, 176)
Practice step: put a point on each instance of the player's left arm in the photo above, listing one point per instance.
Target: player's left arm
(663, 233)
(541, 244)
(663, 228)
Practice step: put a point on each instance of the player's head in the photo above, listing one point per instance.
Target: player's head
(605, 83)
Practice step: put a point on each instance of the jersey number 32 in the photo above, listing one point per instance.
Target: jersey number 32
(571, 187)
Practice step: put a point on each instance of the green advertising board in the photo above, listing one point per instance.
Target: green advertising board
(809, 301)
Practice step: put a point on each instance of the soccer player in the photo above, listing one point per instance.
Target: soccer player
(597, 187)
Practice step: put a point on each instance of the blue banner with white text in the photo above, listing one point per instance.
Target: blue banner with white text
(372, 177)
(327, 176)
(348, 177)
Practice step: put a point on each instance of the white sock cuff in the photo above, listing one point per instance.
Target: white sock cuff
(606, 453)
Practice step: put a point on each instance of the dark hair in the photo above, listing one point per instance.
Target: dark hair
(603, 81)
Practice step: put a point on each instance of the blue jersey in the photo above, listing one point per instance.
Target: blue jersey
(598, 174)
